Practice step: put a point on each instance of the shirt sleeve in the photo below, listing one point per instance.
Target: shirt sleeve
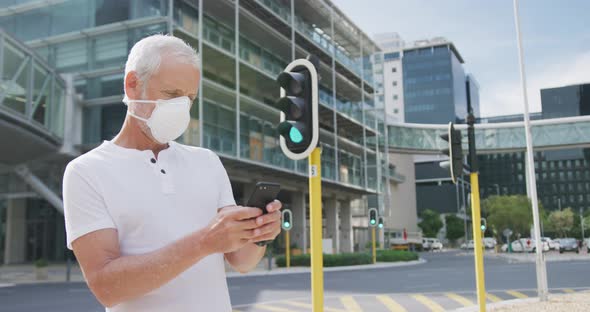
(226, 195)
(84, 207)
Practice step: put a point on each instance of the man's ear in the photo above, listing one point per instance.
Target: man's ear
(133, 85)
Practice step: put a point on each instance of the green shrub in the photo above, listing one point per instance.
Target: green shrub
(395, 255)
(345, 259)
(41, 263)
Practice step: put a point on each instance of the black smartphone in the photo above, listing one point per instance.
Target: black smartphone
(264, 193)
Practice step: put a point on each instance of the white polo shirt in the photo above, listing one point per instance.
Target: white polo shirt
(152, 203)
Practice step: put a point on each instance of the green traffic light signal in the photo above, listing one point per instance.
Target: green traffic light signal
(380, 225)
(483, 227)
(287, 224)
(295, 135)
(373, 221)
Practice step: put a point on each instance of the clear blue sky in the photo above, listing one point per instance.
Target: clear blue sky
(556, 38)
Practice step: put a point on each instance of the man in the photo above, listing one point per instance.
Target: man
(150, 220)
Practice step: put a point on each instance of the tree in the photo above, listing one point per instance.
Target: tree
(455, 227)
(509, 212)
(562, 221)
(431, 223)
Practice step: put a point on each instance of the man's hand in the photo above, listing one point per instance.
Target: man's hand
(232, 228)
(269, 225)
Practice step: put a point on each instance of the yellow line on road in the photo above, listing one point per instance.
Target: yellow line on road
(271, 308)
(568, 290)
(516, 294)
(391, 304)
(433, 306)
(493, 298)
(460, 299)
(350, 304)
(310, 307)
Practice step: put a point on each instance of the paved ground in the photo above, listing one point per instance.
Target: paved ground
(578, 302)
(445, 282)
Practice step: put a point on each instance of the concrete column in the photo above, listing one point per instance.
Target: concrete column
(15, 240)
(299, 231)
(346, 241)
(332, 223)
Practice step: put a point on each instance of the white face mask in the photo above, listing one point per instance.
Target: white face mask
(169, 119)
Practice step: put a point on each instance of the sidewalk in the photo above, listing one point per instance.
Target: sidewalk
(549, 257)
(577, 302)
(25, 274)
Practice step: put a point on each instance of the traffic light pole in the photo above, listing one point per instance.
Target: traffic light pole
(476, 215)
(287, 249)
(374, 245)
(315, 210)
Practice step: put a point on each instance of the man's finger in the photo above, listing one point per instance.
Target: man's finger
(274, 205)
(244, 213)
(248, 224)
(268, 218)
(267, 228)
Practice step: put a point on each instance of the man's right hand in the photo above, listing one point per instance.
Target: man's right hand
(231, 229)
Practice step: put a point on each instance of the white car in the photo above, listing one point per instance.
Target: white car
(489, 242)
(425, 243)
(553, 244)
(431, 244)
(468, 245)
(527, 245)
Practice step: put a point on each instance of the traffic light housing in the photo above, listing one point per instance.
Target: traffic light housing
(380, 223)
(372, 217)
(484, 224)
(287, 223)
(454, 151)
(298, 127)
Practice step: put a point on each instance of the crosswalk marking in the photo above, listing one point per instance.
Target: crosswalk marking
(516, 294)
(460, 299)
(271, 308)
(493, 298)
(309, 306)
(391, 304)
(350, 304)
(433, 306)
(568, 291)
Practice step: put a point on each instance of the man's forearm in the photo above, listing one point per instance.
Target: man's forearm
(130, 277)
(246, 258)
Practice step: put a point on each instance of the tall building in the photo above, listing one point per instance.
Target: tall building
(563, 176)
(81, 45)
(434, 82)
(391, 92)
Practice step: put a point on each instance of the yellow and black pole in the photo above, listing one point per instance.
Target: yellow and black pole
(476, 215)
(315, 210)
(455, 153)
(373, 225)
(287, 226)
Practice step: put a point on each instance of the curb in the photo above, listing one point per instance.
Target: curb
(302, 270)
(498, 304)
(2, 285)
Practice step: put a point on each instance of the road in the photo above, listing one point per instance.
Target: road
(446, 281)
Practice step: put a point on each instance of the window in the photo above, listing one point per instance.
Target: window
(395, 96)
(395, 110)
(395, 83)
(394, 70)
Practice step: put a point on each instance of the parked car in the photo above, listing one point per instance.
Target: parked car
(489, 242)
(431, 244)
(568, 244)
(468, 245)
(435, 244)
(553, 244)
(527, 245)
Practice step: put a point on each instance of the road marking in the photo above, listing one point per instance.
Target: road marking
(493, 298)
(391, 304)
(568, 290)
(309, 306)
(460, 299)
(271, 308)
(516, 294)
(6, 285)
(433, 306)
(350, 304)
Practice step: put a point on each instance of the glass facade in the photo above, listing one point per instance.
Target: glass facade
(434, 85)
(235, 114)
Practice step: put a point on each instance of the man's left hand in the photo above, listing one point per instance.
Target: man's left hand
(269, 225)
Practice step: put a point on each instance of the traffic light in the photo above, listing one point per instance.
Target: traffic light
(380, 222)
(484, 224)
(298, 127)
(372, 217)
(287, 220)
(454, 151)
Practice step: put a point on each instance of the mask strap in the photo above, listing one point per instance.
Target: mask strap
(135, 116)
